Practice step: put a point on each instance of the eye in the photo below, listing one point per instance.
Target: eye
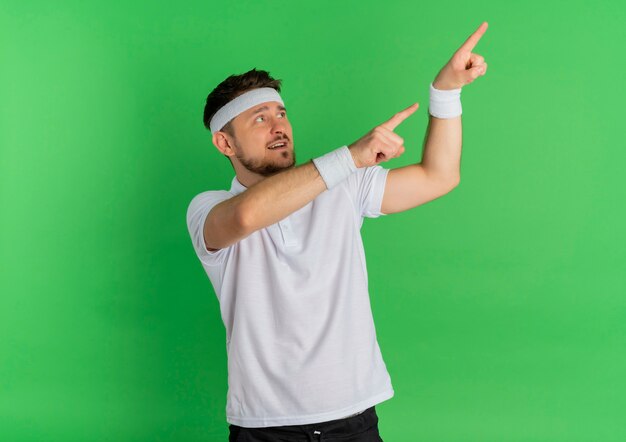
(260, 116)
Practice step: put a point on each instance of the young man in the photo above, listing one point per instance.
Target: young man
(283, 250)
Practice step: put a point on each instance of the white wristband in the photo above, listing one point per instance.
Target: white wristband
(445, 103)
(335, 166)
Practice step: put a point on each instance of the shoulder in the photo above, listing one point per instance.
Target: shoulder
(205, 201)
(209, 196)
(365, 177)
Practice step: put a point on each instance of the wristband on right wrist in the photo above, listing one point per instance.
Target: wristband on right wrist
(335, 166)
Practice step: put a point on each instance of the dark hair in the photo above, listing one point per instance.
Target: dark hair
(232, 87)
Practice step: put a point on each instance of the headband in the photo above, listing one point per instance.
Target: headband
(242, 103)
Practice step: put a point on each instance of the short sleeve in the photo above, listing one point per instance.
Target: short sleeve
(198, 209)
(367, 187)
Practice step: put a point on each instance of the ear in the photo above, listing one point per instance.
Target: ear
(222, 141)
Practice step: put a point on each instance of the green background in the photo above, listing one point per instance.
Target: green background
(500, 308)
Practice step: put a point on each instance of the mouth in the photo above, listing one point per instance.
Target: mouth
(279, 145)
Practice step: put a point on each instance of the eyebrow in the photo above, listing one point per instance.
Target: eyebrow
(264, 108)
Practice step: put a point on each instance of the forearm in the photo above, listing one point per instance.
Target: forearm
(277, 196)
(441, 156)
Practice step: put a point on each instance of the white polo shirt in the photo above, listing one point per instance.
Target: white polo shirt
(300, 335)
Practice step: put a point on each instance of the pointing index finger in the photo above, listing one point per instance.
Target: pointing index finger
(398, 118)
(472, 41)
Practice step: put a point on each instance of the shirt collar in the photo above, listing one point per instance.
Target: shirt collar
(236, 187)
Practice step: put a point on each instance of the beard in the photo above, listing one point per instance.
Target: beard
(264, 167)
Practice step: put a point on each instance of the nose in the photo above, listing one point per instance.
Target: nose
(280, 125)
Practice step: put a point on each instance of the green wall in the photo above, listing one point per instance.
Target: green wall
(500, 308)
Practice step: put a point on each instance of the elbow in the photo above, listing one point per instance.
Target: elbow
(456, 181)
(451, 184)
(445, 181)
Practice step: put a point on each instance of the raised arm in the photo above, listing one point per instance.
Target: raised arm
(439, 171)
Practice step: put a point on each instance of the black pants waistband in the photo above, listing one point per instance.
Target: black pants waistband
(319, 431)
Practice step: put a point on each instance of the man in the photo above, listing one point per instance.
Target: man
(283, 251)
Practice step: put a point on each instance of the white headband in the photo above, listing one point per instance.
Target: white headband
(242, 103)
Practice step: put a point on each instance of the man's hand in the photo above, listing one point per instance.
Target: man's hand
(464, 66)
(381, 143)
